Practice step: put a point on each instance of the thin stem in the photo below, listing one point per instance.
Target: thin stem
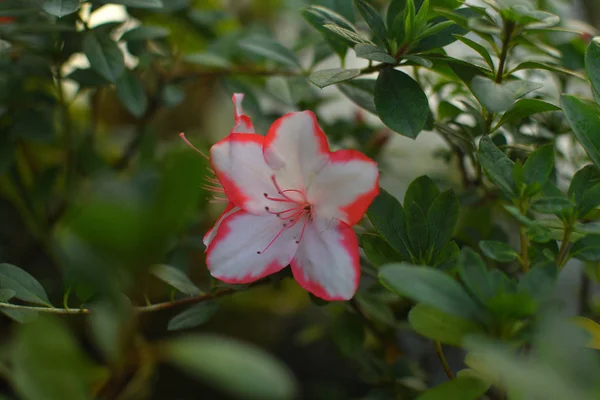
(440, 353)
(506, 39)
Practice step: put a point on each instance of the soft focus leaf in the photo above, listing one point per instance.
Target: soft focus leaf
(585, 122)
(332, 76)
(6, 294)
(137, 3)
(474, 275)
(498, 251)
(592, 328)
(361, 92)
(194, 316)
(131, 92)
(25, 286)
(175, 278)
(377, 250)
(372, 52)
(60, 8)
(442, 218)
(145, 32)
(498, 167)
(234, 367)
(104, 55)
(462, 388)
(440, 326)
(587, 248)
(270, 49)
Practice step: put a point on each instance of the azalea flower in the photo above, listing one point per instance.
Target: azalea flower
(291, 201)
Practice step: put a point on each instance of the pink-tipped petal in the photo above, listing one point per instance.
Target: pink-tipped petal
(243, 124)
(241, 169)
(327, 262)
(345, 187)
(210, 235)
(243, 249)
(297, 147)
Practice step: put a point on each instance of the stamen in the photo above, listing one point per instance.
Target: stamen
(182, 136)
(303, 229)
(282, 192)
(213, 188)
(273, 240)
(275, 199)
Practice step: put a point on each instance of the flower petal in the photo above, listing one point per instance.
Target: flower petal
(210, 235)
(241, 169)
(345, 187)
(297, 147)
(243, 249)
(243, 124)
(327, 262)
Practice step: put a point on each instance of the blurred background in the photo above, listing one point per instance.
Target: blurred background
(97, 189)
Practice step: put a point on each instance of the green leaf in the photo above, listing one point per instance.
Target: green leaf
(132, 94)
(417, 230)
(497, 166)
(136, 3)
(377, 250)
(234, 367)
(442, 218)
(372, 18)
(207, 60)
(87, 78)
(104, 55)
(482, 51)
(474, 275)
(21, 316)
(351, 36)
(361, 92)
(60, 8)
(461, 388)
(270, 49)
(498, 251)
(145, 32)
(497, 97)
(431, 287)
(552, 205)
(539, 282)
(175, 278)
(6, 295)
(48, 364)
(194, 316)
(421, 191)
(26, 287)
(587, 248)
(387, 216)
(583, 180)
(401, 103)
(589, 201)
(332, 76)
(547, 67)
(592, 64)
(319, 16)
(437, 325)
(539, 164)
(585, 122)
(524, 108)
(372, 52)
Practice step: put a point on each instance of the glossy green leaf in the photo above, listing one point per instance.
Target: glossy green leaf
(583, 180)
(104, 55)
(25, 286)
(145, 32)
(417, 230)
(431, 287)
(234, 367)
(378, 250)
(462, 388)
(480, 49)
(132, 94)
(270, 49)
(401, 103)
(332, 76)
(587, 248)
(387, 216)
(525, 108)
(421, 191)
(585, 121)
(497, 165)
(539, 165)
(60, 8)
(374, 53)
(552, 205)
(175, 278)
(498, 251)
(372, 18)
(361, 92)
(592, 64)
(473, 273)
(442, 218)
(319, 16)
(437, 325)
(194, 316)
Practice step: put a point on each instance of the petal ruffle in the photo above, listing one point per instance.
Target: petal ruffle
(345, 187)
(327, 262)
(243, 124)
(249, 247)
(239, 165)
(297, 148)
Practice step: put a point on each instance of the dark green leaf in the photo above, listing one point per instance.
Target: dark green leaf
(437, 325)
(552, 205)
(583, 180)
(442, 218)
(431, 287)
(234, 367)
(6, 295)
(525, 108)
(587, 248)
(130, 91)
(60, 8)
(512, 305)
(377, 250)
(497, 166)
(473, 274)
(592, 64)
(172, 95)
(145, 32)
(417, 229)
(372, 18)
(20, 315)
(482, 51)
(175, 278)
(539, 164)
(548, 67)
(346, 34)
(496, 97)
(372, 52)
(498, 251)
(589, 201)
(104, 55)
(136, 3)
(319, 16)
(26, 287)
(194, 316)
(462, 388)
(87, 78)
(361, 92)
(270, 49)
(332, 76)
(387, 215)
(539, 282)
(422, 191)
(585, 122)
(401, 103)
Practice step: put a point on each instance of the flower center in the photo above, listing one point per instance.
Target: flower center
(299, 209)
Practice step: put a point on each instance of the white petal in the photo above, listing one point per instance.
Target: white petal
(243, 124)
(327, 262)
(243, 249)
(210, 235)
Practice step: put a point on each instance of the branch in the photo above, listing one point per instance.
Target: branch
(440, 353)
